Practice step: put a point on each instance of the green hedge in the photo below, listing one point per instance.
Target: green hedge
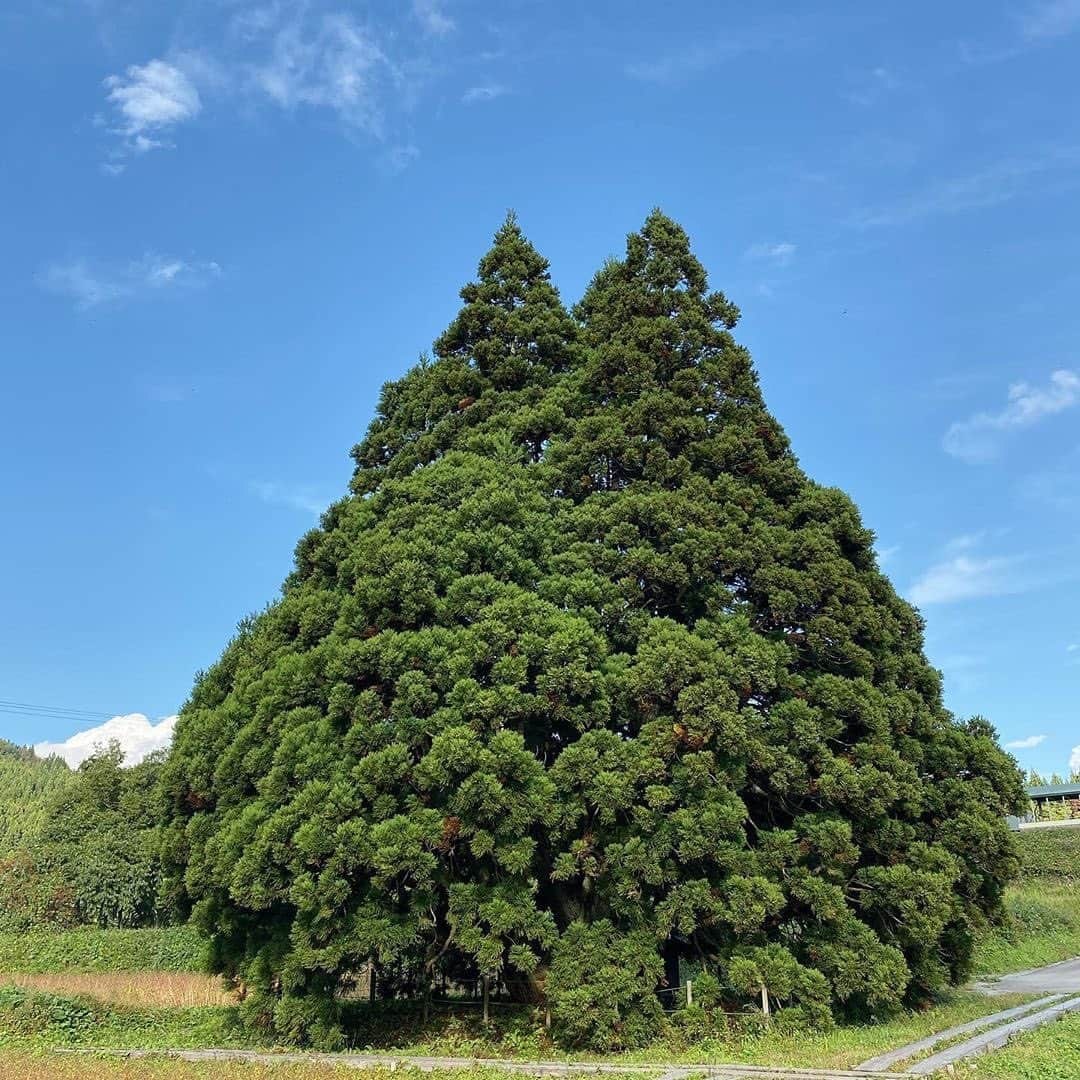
(1050, 853)
(87, 950)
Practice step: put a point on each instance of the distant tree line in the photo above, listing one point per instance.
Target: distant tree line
(79, 847)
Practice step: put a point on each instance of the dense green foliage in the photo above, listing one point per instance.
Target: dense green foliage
(89, 851)
(1052, 854)
(585, 677)
(27, 784)
(87, 949)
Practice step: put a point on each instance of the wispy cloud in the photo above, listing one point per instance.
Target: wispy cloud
(148, 101)
(297, 499)
(984, 188)
(398, 158)
(874, 84)
(91, 284)
(476, 94)
(1074, 761)
(293, 57)
(685, 62)
(330, 62)
(1029, 742)
(135, 733)
(967, 577)
(779, 254)
(1051, 19)
(978, 439)
(432, 18)
(887, 554)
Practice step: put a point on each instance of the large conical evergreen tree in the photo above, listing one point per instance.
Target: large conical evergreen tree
(586, 676)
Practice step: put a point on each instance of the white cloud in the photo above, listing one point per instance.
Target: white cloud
(1028, 743)
(965, 577)
(279, 495)
(137, 736)
(1051, 19)
(149, 100)
(1074, 760)
(333, 64)
(92, 284)
(977, 440)
(780, 254)
(476, 94)
(432, 18)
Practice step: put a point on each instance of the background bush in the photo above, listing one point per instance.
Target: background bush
(1050, 853)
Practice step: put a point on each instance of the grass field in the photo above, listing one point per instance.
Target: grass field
(1050, 1053)
(140, 989)
(33, 1022)
(1044, 927)
(20, 1065)
(175, 948)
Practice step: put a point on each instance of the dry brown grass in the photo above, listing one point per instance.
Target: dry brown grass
(153, 989)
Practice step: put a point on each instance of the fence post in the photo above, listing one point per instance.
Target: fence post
(689, 992)
(765, 1002)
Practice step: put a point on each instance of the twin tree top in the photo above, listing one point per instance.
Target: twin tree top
(583, 678)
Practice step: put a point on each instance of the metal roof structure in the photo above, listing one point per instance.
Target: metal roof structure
(1055, 791)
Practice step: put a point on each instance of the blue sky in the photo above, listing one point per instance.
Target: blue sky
(226, 224)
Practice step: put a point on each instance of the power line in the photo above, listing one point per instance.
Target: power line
(53, 712)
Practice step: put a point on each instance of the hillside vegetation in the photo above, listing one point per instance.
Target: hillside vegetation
(28, 784)
(82, 847)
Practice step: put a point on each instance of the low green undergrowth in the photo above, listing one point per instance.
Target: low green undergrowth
(90, 950)
(34, 1018)
(32, 1021)
(1042, 927)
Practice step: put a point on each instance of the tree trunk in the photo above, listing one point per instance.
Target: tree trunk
(671, 973)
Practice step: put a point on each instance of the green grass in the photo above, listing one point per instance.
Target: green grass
(1043, 927)
(1050, 854)
(1048, 1053)
(32, 1022)
(90, 950)
(46, 1065)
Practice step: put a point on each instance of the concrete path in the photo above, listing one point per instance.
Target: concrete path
(528, 1068)
(992, 1039)
(1063, 978)
(903, 1053)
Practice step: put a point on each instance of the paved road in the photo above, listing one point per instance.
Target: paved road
(1063, 978)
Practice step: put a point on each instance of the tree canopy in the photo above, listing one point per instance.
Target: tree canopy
(78, 847)
(584, 678)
